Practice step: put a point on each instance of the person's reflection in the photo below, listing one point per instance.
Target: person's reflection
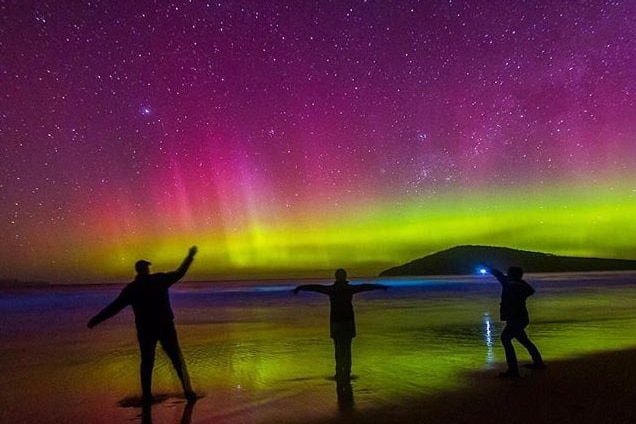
(186, 417)
(146, 413)
(345, 395)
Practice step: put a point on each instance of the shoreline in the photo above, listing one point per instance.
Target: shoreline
(15, 285)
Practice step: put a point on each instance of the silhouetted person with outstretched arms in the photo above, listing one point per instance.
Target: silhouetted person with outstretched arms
(513, 311)
(148, 296)
(341, 318)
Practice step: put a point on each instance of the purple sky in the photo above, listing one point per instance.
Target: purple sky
(257, 129)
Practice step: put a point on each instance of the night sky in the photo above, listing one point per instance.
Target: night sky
(289, 138)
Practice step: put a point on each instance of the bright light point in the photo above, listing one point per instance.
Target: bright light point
(145, 110)
(482, 271)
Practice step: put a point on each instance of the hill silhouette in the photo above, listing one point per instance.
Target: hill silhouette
(465, 260)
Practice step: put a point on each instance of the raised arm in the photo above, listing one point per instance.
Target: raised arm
(178, 274)
(313, 288)
(112, 309)
(368, 287)
(503, 280)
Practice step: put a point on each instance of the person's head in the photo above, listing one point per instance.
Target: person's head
(341, 275)
(515, 273)
(142, 267)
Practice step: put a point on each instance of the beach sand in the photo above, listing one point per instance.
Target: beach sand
(598, 388)
(423, 355)
(593, 389)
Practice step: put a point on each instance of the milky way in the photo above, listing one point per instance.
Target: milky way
(293, 137)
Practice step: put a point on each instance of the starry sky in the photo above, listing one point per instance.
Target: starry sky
(289, 138)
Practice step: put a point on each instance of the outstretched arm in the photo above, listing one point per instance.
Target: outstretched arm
(368, 287)
(312, 287)
(497, 274)
(183, 268)
(112, 309)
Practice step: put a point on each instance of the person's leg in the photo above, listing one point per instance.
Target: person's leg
(147, 346)
(170, 345)
(346, 357)
(532, 349)
(343, 357)
(337, 355)
(507, 335)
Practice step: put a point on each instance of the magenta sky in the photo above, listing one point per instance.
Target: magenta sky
(292, 137)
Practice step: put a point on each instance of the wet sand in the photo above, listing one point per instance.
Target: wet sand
(598, 388)
(592, 389)
(425, 354)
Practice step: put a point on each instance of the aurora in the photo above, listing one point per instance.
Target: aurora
(289, 139)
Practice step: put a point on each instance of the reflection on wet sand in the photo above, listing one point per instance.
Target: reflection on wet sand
(345, 395)
(257, 366)
(590, 389)
(489, 339)
(186, 417)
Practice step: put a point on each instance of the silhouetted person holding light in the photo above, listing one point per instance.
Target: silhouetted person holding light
(148, 296)
(341, 319)
(512, 309)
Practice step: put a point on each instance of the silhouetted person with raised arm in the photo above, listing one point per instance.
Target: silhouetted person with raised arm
(148, 296)
(341, 318)
(513, 311)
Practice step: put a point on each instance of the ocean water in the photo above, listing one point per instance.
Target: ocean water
(257, 353)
